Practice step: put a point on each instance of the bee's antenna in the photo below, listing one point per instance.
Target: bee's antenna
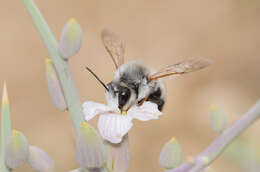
(97, 78)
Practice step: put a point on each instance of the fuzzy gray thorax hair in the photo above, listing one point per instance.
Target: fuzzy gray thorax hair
(134, 76)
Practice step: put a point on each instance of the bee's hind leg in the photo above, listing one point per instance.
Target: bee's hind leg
(160, 102)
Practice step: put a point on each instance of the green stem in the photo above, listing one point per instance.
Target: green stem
(5, 129)
(62, 66)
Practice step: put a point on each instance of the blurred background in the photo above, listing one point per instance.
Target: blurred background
(157, 33)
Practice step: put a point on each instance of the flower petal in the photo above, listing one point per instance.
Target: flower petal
(91, 109)
(147, 111)
(113, 127)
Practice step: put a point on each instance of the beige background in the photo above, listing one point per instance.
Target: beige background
(158, 33)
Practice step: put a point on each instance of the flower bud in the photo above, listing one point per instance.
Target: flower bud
(39, 160)
(54, 86)
(71, 38)
(90, 150)
(5, 127)
(218, 119)
(5, 116)
(171, 155)
(17, 150)
(5, 100)
(118, 155)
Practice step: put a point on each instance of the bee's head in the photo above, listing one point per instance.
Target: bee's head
(120, 96)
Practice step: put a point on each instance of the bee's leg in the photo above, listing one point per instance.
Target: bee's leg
(157, 100)
(140, 103)
(156, 97)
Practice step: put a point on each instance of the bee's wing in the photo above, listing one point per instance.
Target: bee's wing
(114, 46)
(181, 68)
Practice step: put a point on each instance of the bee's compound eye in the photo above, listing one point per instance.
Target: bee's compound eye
(123, 97)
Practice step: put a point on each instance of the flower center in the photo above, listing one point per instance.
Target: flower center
(123, 113)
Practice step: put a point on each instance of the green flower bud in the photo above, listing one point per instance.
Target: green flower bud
(54, 86)
(218, 119)
(71, 39)
(90, 150)
(171, 155)
(17, 150)
(39, 160)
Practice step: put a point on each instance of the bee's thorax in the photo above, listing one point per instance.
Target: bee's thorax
(133, 76)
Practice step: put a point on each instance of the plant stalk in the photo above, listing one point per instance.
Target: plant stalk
(221, 142)
(62, 67)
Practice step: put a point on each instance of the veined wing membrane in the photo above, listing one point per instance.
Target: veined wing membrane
(114, 46)
(183, 67)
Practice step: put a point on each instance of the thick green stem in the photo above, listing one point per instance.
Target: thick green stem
(62, 66)
(5, 129)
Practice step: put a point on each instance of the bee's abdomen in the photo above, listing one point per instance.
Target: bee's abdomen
(156, 97)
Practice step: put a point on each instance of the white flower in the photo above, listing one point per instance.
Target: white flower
(112, 125)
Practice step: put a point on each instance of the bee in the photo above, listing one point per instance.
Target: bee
(134, 83)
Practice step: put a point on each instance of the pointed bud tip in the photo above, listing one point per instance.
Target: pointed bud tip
(173, 140)
(15, 133)
(86, 129)
(5, 100)
(84, 124)
(213, 108)
(48, 61)
(72, 21)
